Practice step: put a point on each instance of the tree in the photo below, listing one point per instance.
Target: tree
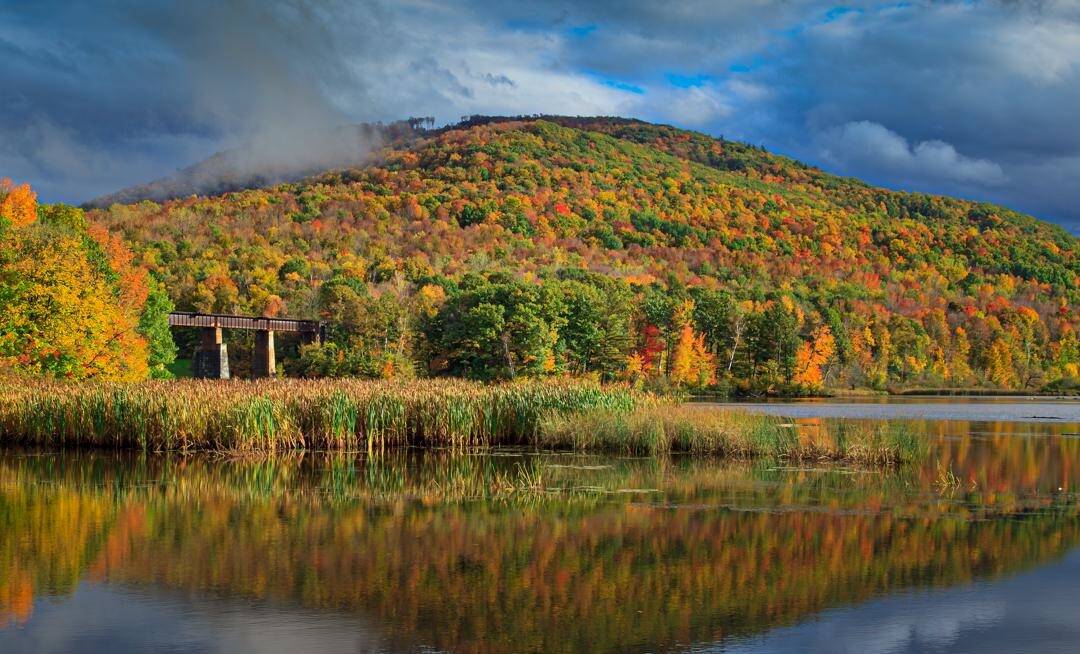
(18, 204)
(596, 334)
(691, 362)
(999, 364)
(811, 356)
(1066, 355)
(722, 323)
(773, 340)
(1029, 336)
(73, 302)
(154, 327)
(497, 328)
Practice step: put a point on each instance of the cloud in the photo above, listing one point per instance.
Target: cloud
(874, 149)
(968, 97)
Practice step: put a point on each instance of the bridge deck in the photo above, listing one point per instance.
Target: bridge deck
(225, 321)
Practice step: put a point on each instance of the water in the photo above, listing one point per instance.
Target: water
(925, 408)
(976, 549)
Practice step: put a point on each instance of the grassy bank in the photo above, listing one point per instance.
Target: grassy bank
(357, 415)
(656, 426)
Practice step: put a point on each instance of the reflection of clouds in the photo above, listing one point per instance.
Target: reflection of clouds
(934, 624)
(1035, 611)
(103, 619)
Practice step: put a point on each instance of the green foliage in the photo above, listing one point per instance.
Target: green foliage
(497, 328)
(154, 327)
(773, 339)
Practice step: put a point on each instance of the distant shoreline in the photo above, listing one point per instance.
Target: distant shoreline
(866, 394)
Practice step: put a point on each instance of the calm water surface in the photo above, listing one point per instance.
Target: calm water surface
(977, 549)
(925, 408)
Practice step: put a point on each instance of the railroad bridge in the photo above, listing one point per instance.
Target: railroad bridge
(212, 356)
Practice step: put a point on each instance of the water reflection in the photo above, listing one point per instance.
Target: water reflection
(513, 551)
(1034, 611)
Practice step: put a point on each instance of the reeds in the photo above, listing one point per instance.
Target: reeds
(656, 426)
(290, 414)
(372, 415)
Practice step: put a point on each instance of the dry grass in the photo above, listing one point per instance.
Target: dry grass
(290, 414)
(356, 415)
(657, 426)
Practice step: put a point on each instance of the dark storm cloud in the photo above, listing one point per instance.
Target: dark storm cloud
(970, 98)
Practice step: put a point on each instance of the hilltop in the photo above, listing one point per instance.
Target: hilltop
(877, 287)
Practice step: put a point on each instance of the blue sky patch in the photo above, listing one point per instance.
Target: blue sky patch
(622, 86)
(688, 81)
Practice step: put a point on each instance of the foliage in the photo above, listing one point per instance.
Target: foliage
(915, 290)
(75, 303)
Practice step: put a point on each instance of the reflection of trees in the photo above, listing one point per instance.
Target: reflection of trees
(525, 571)
(47, 541)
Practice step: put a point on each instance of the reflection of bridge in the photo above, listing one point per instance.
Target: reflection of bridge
(212, 357)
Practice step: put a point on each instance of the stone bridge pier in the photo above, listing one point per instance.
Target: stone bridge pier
(212, 355)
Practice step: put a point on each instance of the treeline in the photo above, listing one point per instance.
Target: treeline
(73, 302)
(580, 323)
(472, 251)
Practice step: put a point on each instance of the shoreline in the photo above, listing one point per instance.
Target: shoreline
(973, 393)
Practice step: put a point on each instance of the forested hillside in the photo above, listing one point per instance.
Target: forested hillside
(507, 247)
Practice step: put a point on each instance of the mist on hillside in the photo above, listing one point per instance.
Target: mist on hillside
(268, 159)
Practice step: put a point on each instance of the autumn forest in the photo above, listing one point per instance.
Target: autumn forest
(604, 248)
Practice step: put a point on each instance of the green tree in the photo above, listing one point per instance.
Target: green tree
(154, 327)
(596, 336)
(773, 341)
(497, 328)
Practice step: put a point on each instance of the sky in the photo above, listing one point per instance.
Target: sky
(973, 98)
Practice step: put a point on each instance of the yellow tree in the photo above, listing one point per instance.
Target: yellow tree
(72, 304)
(691, 362)
(959, 370)
(999, 364)
(1066, 354)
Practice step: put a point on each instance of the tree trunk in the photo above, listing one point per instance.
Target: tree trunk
(738, 333)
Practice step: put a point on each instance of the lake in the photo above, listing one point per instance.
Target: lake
(975, 549)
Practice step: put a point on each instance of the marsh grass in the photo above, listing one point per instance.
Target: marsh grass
(352, 415)
(290, 414)
(657, 426)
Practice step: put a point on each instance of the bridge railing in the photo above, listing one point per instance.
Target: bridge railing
(226, 321)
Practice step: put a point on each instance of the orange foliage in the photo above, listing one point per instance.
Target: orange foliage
(17, 203)
(811, 356)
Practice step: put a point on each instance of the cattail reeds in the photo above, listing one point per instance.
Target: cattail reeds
(656, 426)
(291, 414)
(279, 415)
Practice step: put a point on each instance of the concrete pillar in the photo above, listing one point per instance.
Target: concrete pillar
(263, 362)
(212, 356)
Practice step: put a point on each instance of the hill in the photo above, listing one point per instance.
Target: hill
(699, 259)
